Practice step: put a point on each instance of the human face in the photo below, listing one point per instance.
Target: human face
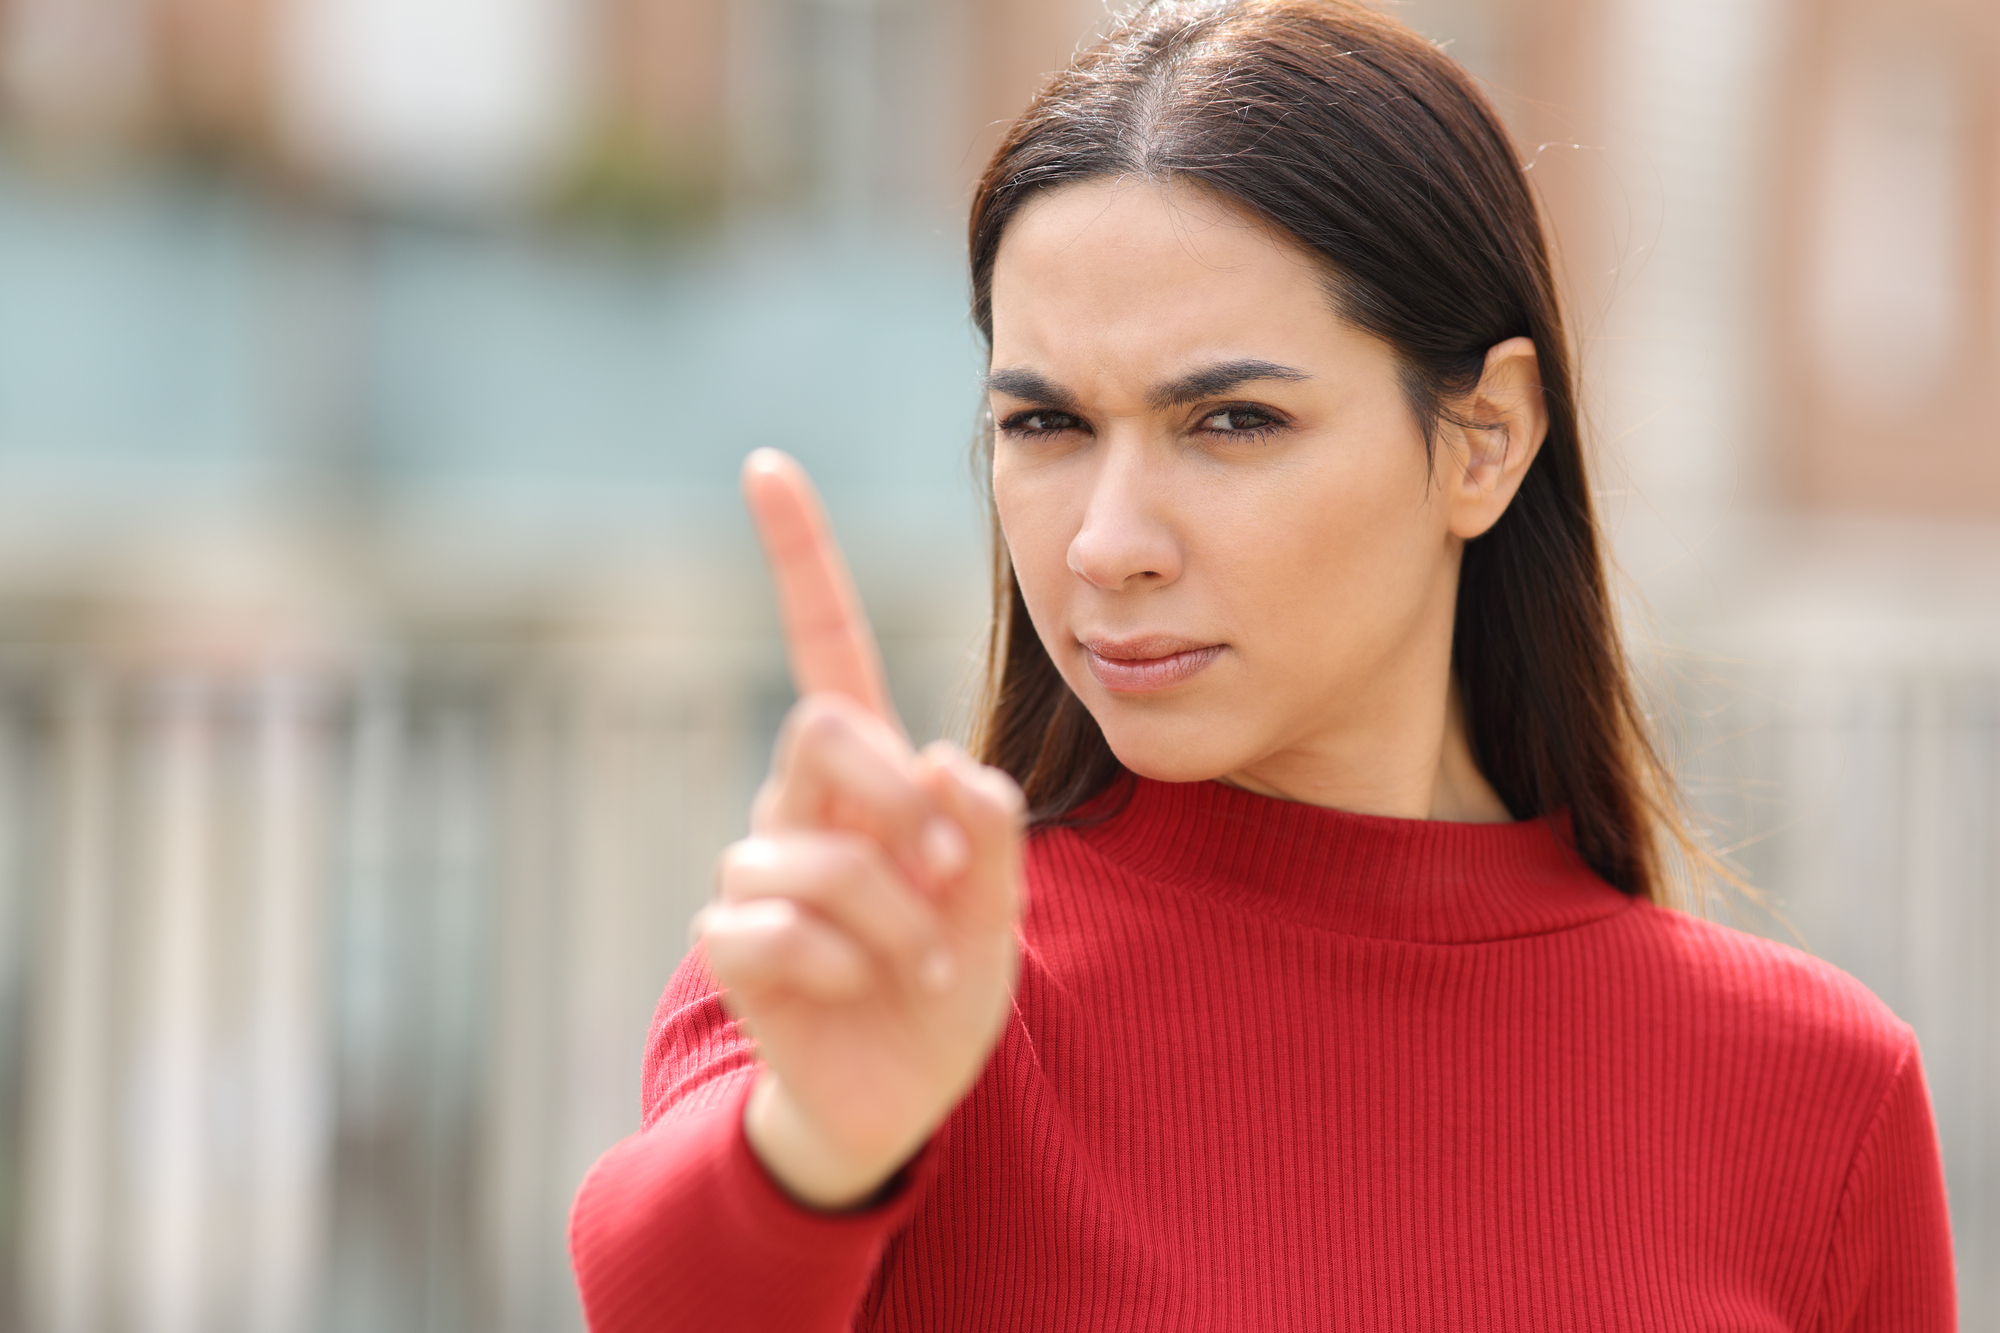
(1219, 505)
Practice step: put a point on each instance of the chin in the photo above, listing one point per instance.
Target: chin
(1170, 753)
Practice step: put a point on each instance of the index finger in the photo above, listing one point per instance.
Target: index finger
(827, 637)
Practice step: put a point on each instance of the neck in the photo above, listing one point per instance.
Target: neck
(1425, 773)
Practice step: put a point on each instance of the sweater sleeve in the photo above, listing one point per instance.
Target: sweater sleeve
(1890, 1266)
(680, 1226)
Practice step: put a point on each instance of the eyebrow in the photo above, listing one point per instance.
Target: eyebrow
(1221, 377)
(1206, 382)
(1029, 385)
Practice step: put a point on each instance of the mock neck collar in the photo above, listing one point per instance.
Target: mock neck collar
(1419, 880)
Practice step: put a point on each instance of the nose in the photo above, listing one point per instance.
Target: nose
(1125, 541)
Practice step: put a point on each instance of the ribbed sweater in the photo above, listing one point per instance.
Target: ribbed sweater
(1272, 1066)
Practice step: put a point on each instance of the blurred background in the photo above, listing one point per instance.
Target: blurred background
(384, 658)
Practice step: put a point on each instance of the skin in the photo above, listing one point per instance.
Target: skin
(1231, 542)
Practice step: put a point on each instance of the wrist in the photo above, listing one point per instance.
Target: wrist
(802, 1161)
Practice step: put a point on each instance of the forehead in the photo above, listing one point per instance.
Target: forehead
(1132, 276)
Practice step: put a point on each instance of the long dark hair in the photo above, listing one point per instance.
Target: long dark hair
(1375, 152)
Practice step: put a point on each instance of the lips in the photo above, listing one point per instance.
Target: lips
(1143, 665)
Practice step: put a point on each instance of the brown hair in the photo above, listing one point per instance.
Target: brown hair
(1374, 151)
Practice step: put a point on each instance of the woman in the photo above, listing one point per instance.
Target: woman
(1330, 986)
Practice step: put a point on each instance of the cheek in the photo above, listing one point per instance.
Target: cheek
(1278, 563)
(1333, 552)
(1035, 523)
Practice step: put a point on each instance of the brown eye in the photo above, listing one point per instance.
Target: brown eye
(1235, 420)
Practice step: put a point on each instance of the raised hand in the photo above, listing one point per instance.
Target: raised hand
(864, 931)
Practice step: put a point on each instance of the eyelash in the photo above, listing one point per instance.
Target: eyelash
(1017, 425)
(1273, 423)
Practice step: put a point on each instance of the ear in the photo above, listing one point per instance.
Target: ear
(1509, 420)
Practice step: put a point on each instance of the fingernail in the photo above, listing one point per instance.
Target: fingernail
(940, 969)
(944, 848)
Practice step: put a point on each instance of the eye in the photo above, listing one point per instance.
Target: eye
(1040, 421)
(1241, 419)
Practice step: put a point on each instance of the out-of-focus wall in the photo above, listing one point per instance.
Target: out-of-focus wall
(383, 657)
(1883, 249)
(1778, 220)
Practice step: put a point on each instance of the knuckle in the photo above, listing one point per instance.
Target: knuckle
(737, 869)
(837, 875)
(698, 927)
(860, 874)
(1004, 792)
(779, 947)
(724, 957)
(850, 861)
(809, 728)
(818, 719)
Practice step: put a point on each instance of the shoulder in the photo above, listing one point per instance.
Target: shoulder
(1737, 992)
(694, 1042)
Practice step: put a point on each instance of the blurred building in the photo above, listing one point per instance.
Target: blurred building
(383, 659)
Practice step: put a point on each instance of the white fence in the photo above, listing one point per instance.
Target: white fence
(321, 989)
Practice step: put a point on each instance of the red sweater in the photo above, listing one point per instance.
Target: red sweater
(1277, 1067)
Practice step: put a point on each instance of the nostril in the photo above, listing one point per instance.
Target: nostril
(1110, 555)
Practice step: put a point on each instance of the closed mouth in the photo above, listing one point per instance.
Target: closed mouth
(1144, 665)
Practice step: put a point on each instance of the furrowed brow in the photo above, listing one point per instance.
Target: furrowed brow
(1219, 378)
(1029, 386)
